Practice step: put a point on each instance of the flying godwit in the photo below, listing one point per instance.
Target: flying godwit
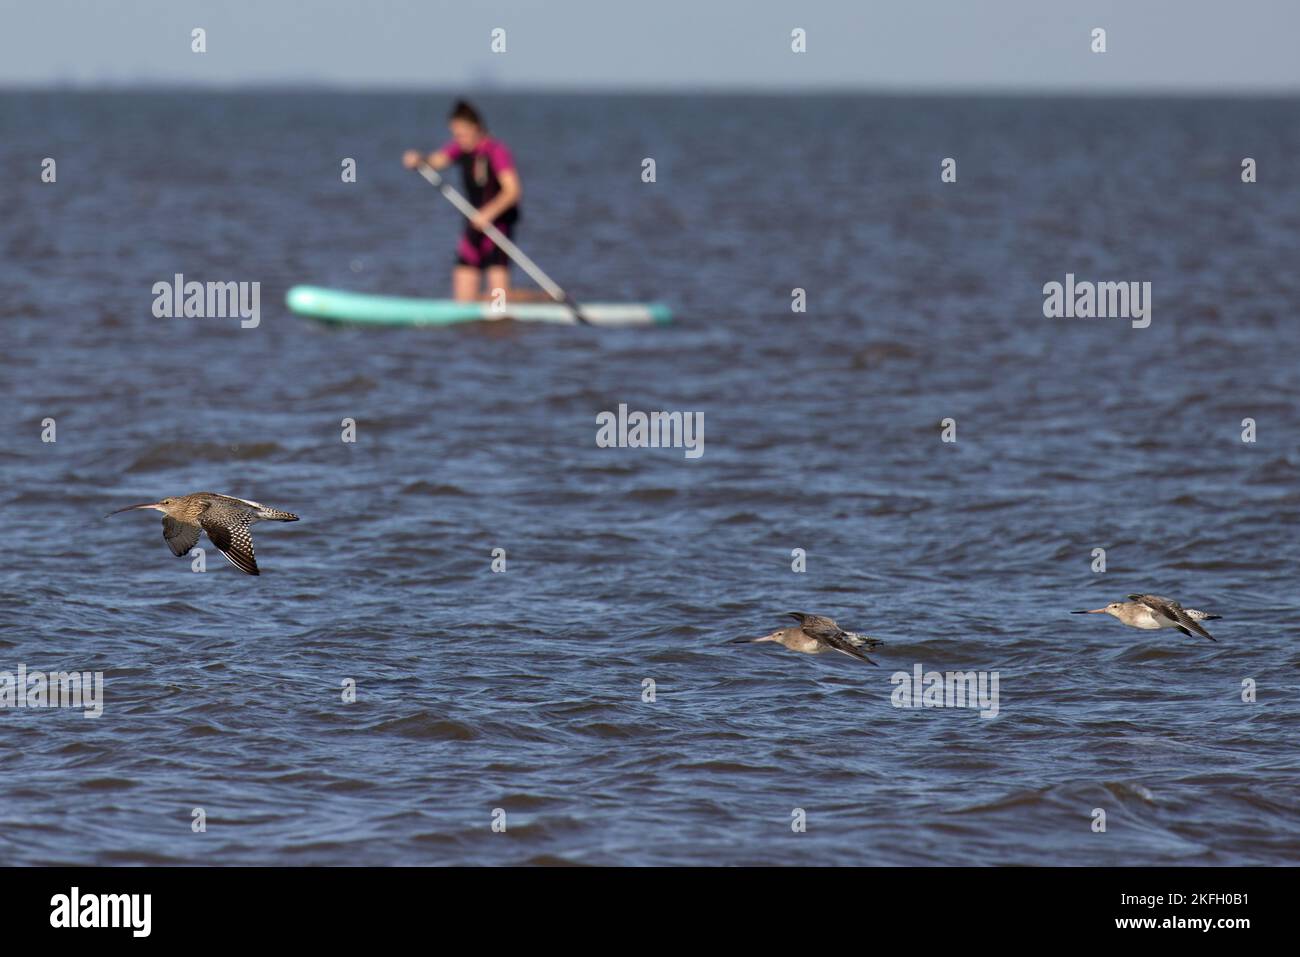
(1153, 611)
(815, 634)
(225, 519)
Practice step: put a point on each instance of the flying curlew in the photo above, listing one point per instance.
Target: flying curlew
(226, 520)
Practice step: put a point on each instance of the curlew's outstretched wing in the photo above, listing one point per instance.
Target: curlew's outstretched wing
(234, 540)
(180, 536)
(1174, 612)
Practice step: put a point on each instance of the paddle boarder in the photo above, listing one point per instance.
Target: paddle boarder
(491, 183)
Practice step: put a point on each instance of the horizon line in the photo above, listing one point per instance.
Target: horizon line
(480, 88)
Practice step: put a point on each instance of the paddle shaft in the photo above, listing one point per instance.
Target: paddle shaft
(502, 241)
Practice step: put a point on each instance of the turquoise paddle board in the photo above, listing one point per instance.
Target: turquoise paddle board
(336, 305)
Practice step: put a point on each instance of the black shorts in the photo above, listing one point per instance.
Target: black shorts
(477, 250)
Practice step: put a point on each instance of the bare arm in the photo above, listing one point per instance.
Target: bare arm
(437, 159)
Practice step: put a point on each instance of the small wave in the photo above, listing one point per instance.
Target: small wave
(162, 458)
(424, 726)
(433, 490)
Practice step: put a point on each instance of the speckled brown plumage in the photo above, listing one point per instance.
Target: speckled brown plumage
(226, 519)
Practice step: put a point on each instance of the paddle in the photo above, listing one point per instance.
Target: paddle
(503, 243)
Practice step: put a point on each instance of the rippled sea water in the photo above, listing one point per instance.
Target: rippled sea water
(523, 690)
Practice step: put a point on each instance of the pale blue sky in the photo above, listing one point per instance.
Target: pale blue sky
(1036, 45)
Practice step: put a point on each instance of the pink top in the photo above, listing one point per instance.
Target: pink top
(498, 154)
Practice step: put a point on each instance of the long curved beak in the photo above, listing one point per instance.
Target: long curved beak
(1091, 611)
(132, 507)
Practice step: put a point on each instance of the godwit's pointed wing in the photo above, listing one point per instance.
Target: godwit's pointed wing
(234, 540)
(1174, 612)
(816, 624)
(1152, 601)
(840, 644)
(180, 536)
(862, 641)
(832, 635)
(819, 626)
